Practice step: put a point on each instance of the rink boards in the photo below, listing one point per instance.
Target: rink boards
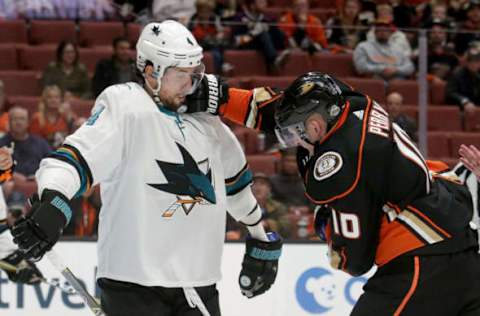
(305, 285)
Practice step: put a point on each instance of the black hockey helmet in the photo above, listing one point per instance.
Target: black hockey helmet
(313, 92)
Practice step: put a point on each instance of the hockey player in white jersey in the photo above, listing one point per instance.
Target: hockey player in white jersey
(167, 180)
(26, 271)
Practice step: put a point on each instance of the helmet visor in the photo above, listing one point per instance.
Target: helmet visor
(292, 135)
(183, 76)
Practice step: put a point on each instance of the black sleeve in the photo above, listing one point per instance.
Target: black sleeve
(453, 91)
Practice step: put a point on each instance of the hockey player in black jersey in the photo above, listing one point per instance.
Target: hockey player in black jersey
(379, 202)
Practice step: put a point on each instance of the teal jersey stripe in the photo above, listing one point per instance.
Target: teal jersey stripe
(81, 171)
(245, 179)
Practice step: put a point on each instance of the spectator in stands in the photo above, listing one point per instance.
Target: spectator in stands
(304, 30)
(275, 214)
(441, 53)
(8, 10)
(381, 58)
(393, 105)
(54, 119)
(28, 149)
(181, 11)
(287, 186)
(67, 72)
(341, 30)
(254, 31)
(397, 38)
(472, 25)
(437, 12)
(209, 32)
(3, 110)
(463, 87)
(119, 68)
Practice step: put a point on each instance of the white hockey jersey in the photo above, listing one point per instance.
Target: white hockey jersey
(164, 180)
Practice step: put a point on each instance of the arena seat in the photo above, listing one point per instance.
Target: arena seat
(8, 57)
(323, 13)
(133, 33)
(36, 57)
(14, 31)
(437, 93)
(208, 61)
(444, 118)
(262, 163)
(246, 62)
(456, 139)
(296, 63)
(51, 32)
(438, 145)
(20, 82)
(375, 88)
(28, 102)
(340, 65)
(472, 120)
(99, 33)
(91, 56)
(407, 88)
(82, 108)
(274, 82)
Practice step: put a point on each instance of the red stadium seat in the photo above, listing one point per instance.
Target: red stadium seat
(374, 88)
(82, 108)
(472, 120)
(36, 58)
(208, 61)
(275, 13)
(411, 111)
(340, 65)
(438, 145)
(323, 13)
(458, 139)
(20, 83)
(29, 103)
(91, 56)
(246, 62)
(262, 163)
(296, 63)
(444, 118)
(133, 33)
(437, 93)
(8, 57)
(13, 32)
(280, 83)
(407, 88)
(51, 32)
(99, 33)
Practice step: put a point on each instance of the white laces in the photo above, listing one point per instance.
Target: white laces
(194, 300)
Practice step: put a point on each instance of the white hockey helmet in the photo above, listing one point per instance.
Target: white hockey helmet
(168, 44)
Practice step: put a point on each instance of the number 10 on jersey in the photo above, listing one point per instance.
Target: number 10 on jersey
(345, 224)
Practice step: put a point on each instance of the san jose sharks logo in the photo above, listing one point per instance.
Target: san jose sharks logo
(187, 182)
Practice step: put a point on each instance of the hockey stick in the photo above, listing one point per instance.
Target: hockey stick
(67, 274)
(55, 283)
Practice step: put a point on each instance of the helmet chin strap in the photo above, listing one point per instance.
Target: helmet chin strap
(155, 91)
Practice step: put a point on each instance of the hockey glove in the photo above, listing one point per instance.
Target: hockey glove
(36, 233)
(210, 94)
(260, 265)
(27, 272)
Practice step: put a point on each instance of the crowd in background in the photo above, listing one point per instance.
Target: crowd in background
(378, 34)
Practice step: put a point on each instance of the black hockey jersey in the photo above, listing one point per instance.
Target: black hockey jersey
(383, 199)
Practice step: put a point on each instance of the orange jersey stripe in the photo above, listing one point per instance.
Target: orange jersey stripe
(413, 287)
(395, 240)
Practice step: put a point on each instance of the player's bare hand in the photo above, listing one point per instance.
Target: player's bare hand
(6, 159)
(470, 157)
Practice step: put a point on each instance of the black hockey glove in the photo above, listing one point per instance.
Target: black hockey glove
(27, 272)
(36, 233)
(210, 94)
(260, 265)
